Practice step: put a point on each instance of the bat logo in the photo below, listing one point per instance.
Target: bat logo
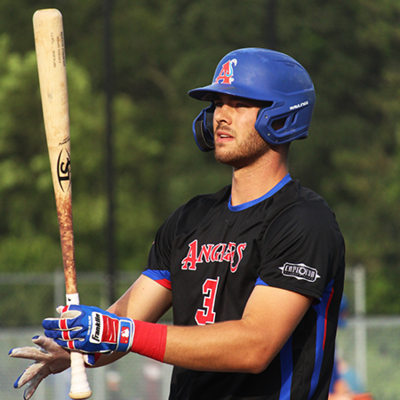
(64, 170)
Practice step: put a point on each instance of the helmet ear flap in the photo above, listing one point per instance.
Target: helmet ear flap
(276, 126)
(203, 129)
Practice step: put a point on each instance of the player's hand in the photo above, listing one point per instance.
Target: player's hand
(49, 359)
(90, 330)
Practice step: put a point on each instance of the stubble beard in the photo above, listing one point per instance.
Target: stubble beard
(244, 154)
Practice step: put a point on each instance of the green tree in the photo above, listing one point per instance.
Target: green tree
(351, 50)
(162, 49)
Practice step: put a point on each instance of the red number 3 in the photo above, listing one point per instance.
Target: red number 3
(207, 315)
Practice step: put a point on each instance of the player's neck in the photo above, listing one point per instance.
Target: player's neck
(252, 182)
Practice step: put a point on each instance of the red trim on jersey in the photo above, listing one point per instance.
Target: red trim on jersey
(326, 317)
(164, 282)
(150, 340)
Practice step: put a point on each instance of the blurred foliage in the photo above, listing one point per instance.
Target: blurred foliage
(162, 49)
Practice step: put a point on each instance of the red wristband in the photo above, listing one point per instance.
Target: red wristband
(150, 340)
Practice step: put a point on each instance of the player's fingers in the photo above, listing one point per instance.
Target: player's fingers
(71, 312)
(77, 345)
(66, 344)
(53, 323)
(31, 353)
(65, 335)
(59, 323)
(32, 385)
(19, 382)
(55, 334)
(74, 344)
(73, 307)
(30, 373)
(80, 345)
(47, 346)
(62, 309)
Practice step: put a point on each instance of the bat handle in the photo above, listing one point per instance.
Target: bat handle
(79, 384)
(80, 388)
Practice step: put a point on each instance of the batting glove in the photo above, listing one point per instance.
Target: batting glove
(49, 359)
(90, 330)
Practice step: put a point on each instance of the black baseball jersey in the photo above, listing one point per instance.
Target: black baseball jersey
(211, 255)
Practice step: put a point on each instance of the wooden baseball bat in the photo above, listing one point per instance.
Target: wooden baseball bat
(50, 53)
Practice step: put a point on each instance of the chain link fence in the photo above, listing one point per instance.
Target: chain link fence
(369, 345)
(28, 298)
(132, 378)
(379, 373)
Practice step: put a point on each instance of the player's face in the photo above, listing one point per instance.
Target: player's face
(237, 143)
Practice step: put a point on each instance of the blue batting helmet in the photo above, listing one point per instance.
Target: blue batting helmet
(264, 75)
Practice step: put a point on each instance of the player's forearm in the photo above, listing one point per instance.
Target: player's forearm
(145, 300)
(231, 346)
(245, 345)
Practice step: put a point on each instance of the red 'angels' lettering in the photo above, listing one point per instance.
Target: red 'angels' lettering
(207, 316)
(213, 253)
(226, 73)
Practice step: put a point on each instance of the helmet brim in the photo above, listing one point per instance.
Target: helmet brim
(204, 93)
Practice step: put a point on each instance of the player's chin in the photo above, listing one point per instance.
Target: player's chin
(233, 159)
(225, 156)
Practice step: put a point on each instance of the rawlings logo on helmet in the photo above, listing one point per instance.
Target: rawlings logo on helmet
(226, 73)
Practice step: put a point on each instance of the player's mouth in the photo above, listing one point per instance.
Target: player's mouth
(223, 136)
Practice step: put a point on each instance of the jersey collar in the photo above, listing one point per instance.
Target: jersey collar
(251, 203)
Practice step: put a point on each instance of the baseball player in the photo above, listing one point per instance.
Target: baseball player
(254, 273)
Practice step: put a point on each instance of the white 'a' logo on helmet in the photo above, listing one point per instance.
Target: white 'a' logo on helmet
(226, 74)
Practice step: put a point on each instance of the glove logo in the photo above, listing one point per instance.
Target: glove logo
(97, 328)
(124, 335)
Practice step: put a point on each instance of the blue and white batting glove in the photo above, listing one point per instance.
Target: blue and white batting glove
(90, 330)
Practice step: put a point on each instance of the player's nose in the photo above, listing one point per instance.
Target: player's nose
(223, 114)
